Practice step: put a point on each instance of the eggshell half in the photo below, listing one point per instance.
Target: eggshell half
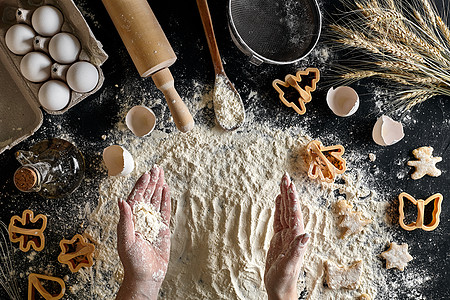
(387, 132)
(118, 161)
(140, 120)
(343, 101)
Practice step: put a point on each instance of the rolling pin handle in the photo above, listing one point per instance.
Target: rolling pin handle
(165, 83)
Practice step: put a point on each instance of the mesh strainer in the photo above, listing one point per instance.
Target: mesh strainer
(275, 31)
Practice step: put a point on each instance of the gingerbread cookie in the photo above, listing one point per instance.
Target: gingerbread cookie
(76, 253)
(36, 283)
(28, 230)
(397, 256)
(292, 81)
(325, 162)
(343, 277)
(425, 163)
(351, 221)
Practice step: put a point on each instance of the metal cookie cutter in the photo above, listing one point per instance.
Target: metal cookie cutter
(76, 253)
(305, 94)
(325, 162)
(28, 230)
(35, 285)
(419, 223)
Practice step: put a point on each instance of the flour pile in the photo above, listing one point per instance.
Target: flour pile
(147, 221)
(223, 187)
(227, 104)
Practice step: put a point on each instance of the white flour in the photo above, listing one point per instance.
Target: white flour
(223, 189)
(147, 221)
(227, 104)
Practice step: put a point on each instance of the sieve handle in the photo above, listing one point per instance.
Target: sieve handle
(210, 37)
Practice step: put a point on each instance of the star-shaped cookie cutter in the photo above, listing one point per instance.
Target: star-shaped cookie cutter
(292, 81)
(419, 223)
(28, 237)
(76, 253)
(325, 162)
(35, 285)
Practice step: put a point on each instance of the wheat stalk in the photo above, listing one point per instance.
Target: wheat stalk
(404, 42)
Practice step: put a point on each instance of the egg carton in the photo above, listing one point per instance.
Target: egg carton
(20, 113)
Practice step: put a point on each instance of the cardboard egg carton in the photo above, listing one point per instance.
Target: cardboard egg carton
(20, 113)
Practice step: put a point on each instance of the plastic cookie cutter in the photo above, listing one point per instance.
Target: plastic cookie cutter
(36, 283)
(292, 81)
(325, 162)
(28, 230)
(76, 253)
(419, 223)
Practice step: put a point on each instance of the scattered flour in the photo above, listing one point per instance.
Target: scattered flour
(223, 187)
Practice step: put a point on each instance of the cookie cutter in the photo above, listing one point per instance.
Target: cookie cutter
(28, 237)
(292, 81)
(35, 285)
(76, 253)
(419, 223)
(325, 162)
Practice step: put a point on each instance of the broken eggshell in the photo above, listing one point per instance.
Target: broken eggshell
(343, 101)
(118, 161)
(387, 132)
(140, 120)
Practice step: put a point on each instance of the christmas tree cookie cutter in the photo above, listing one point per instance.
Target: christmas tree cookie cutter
(419, 223)
(292, 81)
(28, 230)
(76, 253)
(35, 285)
(325, 162)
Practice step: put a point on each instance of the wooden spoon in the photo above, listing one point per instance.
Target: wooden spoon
(228, 106)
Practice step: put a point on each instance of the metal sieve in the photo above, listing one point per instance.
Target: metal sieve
(275, 31)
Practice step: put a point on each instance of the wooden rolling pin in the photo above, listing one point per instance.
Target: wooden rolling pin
(150, 51)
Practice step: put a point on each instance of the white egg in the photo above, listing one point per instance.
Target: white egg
(118, 160)
(64, 48)
(36, 66)
(387, 132)
(140, 120)
(19, 39)
(82, 77)
(47, 20)
(54, 95)
(343, 101)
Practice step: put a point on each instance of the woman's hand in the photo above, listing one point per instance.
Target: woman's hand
(288, 245)
(144, 264)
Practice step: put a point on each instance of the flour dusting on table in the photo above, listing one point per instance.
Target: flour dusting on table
(223, 187)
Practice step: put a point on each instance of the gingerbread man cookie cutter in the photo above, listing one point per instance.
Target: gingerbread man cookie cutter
(325, 162)
(292, 81)
(419, 223)
(76, 253)
(28, 230)
(35, 285)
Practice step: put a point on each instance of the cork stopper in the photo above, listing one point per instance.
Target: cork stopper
(25, 179)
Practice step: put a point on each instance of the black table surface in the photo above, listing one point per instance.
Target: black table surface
(426, 125)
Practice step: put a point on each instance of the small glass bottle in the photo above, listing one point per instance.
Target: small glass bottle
(54, 168)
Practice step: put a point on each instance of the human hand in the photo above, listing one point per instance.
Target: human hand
(144, 264)
(288, 245)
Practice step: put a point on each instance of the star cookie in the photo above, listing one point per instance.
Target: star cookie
(425, 163)
(397, 256)
(351, 221)
(341, 277)
(76, 253)
(28, 230)
(42, 284)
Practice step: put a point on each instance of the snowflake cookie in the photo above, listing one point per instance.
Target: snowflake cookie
(341, 277)
(351, 221)
(425, 163)
(397, 256)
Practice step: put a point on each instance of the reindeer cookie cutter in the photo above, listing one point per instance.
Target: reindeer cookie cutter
(35, 285)
(292, 81)
(325, 162)
(76, 253)
(28, 230)
(419, 223)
